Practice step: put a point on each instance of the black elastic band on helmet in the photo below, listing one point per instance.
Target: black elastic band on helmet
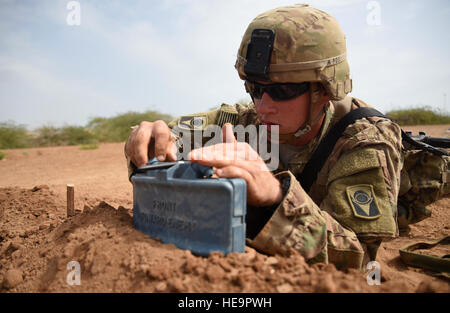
(259, 51)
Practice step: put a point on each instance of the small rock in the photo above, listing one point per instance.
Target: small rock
(68, 250)
(234, 272)
(304, 280)
(161, 287)
(188, 266)
(248, 256)
(159, 272)
(326, 284)
(225, 265)
(12, 278)
(346, 285)
(247, 259)
(271, 260)
(214, 273)
(13, 246)
(429, 286)
(16, 254)
(330, 268)
(175, 285)
(37, 188)
(199, 270)
(284, 288)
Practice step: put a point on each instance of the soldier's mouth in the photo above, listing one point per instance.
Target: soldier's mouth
(268, 124)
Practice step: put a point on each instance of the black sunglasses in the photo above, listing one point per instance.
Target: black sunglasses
(278, 92)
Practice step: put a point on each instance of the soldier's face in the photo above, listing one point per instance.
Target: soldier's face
(288, 115)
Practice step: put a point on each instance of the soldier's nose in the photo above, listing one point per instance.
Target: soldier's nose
(266, 105)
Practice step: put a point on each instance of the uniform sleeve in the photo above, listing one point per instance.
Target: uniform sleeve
(298, 223)
(361, 180)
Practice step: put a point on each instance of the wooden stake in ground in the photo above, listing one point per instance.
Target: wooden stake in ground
(70, 200)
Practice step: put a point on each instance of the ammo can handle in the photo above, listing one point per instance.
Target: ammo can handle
(177, 170)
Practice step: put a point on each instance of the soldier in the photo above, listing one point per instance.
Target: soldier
(293, 62)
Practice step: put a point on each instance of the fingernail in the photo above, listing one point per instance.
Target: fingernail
(219, 172)
(160, 158)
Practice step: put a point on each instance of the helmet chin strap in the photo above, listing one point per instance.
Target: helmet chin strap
(316, 94)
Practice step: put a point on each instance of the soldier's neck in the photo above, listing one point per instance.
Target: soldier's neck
(315, 129)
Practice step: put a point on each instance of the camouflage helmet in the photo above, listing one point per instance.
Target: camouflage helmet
(309, 46)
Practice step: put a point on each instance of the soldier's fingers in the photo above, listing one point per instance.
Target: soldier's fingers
(129, 148)
(227, 133)
(161, 135)
(254, 196)
(141, 143)
(206, 159)
(172, 152)
(210, 157)
(222, 155)
(235, 172)
(221, 151)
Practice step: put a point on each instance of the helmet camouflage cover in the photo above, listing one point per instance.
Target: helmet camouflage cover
(309, 46)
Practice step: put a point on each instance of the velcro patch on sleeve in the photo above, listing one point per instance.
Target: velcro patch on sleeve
(363, 201)
(354, 162)
(193, 122)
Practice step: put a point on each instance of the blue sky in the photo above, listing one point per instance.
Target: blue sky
(177, 56)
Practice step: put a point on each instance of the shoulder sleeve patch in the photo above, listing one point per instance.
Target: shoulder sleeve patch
(363, 201)
(193, 122)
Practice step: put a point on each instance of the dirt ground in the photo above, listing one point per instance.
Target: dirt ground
(37, 240)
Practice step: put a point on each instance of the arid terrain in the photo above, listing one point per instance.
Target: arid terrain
(37, 240)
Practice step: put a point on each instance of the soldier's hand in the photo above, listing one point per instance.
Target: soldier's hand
(150, 140)
(234, 159)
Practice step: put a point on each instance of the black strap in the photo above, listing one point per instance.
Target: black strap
(323, 151)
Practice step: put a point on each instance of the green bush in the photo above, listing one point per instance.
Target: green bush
(14, 136)
(117, 129)
(75, 135)
(47, 136)
(419, 116)
(68, 135)
(99, 129)
(2, 155)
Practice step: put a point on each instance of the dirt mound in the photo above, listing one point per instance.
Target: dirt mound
(38, 242)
